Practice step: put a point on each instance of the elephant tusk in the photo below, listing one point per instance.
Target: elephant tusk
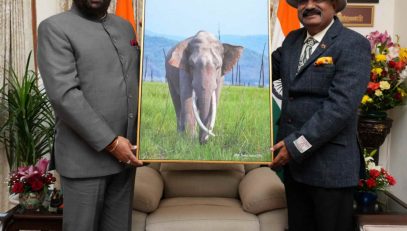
(196, 114)
(214, 106)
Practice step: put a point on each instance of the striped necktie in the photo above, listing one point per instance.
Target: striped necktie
(309, 43)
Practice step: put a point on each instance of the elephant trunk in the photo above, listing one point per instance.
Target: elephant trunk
(204, 110)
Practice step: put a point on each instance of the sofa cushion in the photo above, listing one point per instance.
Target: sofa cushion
(201, 183)
(201, 166)
(201, 213)
(138, 221)
(148, 189)
(262, 190)
(275, 220)
(201, 180)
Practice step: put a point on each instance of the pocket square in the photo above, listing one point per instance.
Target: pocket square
(324, 61)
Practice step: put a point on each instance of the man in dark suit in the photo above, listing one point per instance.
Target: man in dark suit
(324, 68)
(90, 66)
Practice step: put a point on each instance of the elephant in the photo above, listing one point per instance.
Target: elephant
(195, 69)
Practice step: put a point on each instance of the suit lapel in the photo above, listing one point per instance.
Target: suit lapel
(296, 53)
(326, 42)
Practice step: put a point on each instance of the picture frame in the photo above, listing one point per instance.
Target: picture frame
(195, 58)
(357, 16)
(363, 1)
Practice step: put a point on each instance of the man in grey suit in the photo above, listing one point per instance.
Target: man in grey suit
(89, 63)
(324, 68)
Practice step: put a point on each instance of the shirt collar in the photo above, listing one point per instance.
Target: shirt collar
(319, 36)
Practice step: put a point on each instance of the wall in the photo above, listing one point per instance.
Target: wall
(383, 17)
(399, 21)
(397, 145)
(46, 8)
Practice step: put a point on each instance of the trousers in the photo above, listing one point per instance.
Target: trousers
(312, 208)
(98, 203)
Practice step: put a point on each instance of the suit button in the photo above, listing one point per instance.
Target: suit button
(291, 98)
(131, 116)
(130, 96)
(289, 120)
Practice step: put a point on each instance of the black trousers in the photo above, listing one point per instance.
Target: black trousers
(313, 208)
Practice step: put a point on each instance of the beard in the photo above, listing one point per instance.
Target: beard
(93, 8)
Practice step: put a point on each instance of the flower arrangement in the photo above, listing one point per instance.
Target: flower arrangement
(31, 178)
(388, 72)
(377, 178)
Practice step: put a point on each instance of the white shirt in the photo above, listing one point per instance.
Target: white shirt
(319, 36)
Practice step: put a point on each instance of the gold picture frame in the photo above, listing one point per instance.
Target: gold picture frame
(243, 131)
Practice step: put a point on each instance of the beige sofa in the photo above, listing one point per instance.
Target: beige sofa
(198, 197)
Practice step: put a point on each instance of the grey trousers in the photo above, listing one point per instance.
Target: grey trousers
(99, 203)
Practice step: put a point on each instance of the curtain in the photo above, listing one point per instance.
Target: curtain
(15, 44)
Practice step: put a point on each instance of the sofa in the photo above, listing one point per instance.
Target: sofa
(199, 197)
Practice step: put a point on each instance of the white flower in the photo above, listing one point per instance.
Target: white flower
(402, 76)
(369, 159)
(393, 52)
(384, 85)
(371, 165)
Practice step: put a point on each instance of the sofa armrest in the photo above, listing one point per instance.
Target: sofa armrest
(148, 189)
(261, 190)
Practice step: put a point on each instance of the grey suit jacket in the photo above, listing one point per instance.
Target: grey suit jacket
(320, 103)
(90, 71)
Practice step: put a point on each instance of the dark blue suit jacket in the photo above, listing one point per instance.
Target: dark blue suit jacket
(320, 102)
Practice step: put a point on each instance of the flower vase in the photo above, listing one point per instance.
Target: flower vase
(373, 127)
(365, 199)
(31, 200)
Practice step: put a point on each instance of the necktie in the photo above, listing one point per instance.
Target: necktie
(309, 43)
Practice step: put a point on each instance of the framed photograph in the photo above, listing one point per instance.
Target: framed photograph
(363, 1)
(205, 93)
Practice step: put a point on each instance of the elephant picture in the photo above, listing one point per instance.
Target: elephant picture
(195, 69)
(205, 82)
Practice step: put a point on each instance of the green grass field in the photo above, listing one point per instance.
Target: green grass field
(242, 127)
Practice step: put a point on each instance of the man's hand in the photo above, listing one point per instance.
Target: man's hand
(123, 150)
(283, 156)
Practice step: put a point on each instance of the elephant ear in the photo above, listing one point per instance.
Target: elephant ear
(178, 57)
(231, 55)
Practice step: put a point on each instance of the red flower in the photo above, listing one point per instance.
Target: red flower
(399, 66)
(18, 187)
(392, 64)
(373, 76)
(397, 96)
(371, 183)
(36, 185)
(373, 86)
(374, 173)
(391, 180)
(360, 183)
